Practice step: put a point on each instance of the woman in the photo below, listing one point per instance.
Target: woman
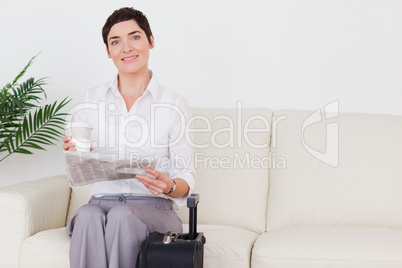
(142, 117)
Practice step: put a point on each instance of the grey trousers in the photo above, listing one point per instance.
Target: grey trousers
(107, 232)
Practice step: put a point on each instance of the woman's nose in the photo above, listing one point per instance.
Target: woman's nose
(127, 47)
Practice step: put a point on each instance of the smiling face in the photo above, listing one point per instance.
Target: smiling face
(128, 47)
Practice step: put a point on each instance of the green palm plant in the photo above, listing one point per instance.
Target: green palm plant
(24, 125)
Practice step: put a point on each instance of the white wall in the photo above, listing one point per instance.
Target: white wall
(274, 54)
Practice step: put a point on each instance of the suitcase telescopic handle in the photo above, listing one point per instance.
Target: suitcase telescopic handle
(192, 202)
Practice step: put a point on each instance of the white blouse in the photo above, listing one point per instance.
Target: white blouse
(154, 126)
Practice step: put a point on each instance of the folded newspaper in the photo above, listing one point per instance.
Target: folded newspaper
(85, 168)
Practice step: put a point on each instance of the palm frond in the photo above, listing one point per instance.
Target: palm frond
(24, 70)
(22, 129)
(16, 100)
(14, 83)
(23, 98)
(37, 129)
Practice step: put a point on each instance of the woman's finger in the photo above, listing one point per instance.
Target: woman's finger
(150, 181)
(156, 185)
(66, 139)
(154, 189)
(161, 176)
(70, 146)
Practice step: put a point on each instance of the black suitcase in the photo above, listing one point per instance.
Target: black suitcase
(173, 250)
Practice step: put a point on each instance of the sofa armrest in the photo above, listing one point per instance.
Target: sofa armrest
(27, 208)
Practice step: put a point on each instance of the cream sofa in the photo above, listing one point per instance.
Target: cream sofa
(286, 189)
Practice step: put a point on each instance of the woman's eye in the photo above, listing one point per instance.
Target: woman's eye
(114, 42)
(135, 37)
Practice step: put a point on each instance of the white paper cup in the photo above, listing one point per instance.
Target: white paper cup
(81, 135)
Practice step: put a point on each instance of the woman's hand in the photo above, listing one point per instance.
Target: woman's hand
(67, 145)
(163, 184)
(70, 146)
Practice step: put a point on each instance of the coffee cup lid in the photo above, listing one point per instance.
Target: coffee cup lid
(78, 124)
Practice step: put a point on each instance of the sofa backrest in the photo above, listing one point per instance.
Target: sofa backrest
(232, 171)
(364, 187)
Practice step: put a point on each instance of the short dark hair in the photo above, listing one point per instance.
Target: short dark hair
(125, 14)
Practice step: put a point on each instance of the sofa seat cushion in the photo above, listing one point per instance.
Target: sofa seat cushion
(46, 249)
(312, 247)
(226, 247)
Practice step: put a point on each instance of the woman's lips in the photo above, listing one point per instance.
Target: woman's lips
(130, 58)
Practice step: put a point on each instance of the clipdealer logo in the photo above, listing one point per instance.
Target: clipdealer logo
(331, 154)
(237, 130)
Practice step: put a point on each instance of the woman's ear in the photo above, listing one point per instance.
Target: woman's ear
(108, 53)
(152, 44)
